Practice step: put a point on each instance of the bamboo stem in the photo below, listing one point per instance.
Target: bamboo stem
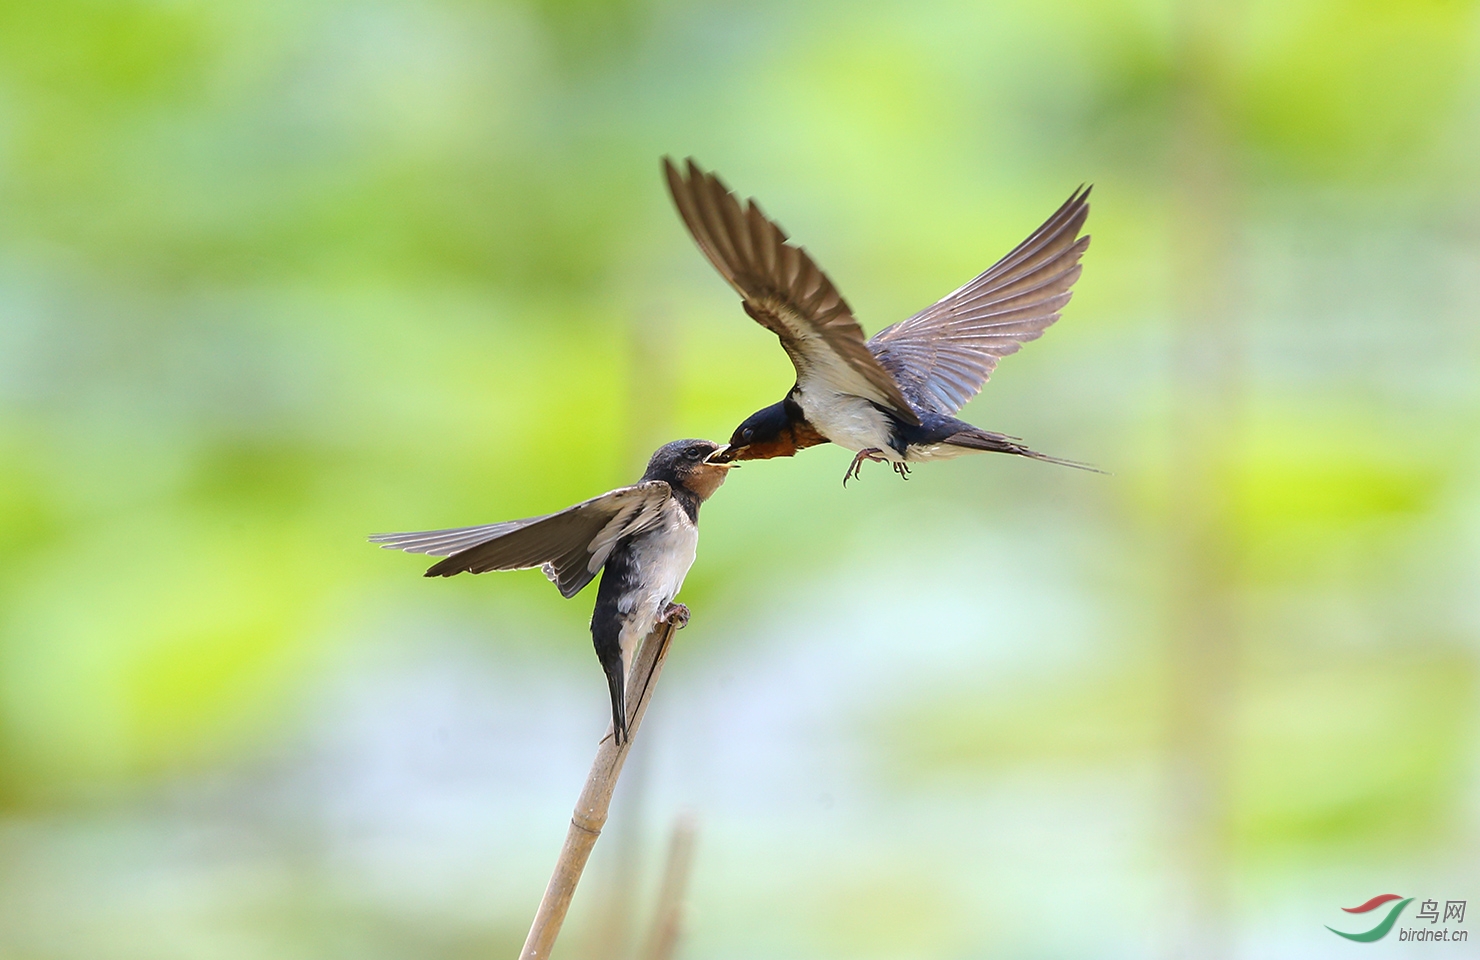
(596, 797)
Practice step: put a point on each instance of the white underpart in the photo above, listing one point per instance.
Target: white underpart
(847, 420)
(662, 557)
(855, 423)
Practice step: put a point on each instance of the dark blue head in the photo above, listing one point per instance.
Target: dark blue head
(779, 430)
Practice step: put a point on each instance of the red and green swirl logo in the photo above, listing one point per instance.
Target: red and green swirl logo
(1381, 930)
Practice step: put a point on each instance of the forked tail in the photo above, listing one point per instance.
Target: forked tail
(977, 439)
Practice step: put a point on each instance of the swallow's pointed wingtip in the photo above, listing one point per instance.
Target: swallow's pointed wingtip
(698, 175)
(688, 176)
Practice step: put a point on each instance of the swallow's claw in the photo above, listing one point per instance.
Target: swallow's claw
(868, 453)
(677, 614)
(903, 469)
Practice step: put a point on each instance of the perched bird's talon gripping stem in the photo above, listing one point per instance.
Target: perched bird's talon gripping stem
(677, 614)
(870, 453)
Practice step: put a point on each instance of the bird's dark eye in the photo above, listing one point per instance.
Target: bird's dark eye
(694, 453)
(746, 434)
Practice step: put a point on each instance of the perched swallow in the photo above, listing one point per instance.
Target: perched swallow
(645, 535)
(892, 398)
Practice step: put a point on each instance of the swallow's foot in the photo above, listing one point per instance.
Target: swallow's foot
(868, 453)
(677, 614)
(902, 468)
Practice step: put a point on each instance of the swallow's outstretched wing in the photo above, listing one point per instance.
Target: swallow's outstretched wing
(943, 355)
(570, 546)
(782, 289)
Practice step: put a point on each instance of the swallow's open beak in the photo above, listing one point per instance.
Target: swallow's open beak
(723, 456)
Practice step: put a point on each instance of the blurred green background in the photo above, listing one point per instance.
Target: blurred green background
(274, 276)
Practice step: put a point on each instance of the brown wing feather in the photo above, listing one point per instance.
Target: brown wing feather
(782, 289)
(943, 355)
(570, 546)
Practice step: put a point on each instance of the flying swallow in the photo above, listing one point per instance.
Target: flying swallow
(894, 397)
(644, 535)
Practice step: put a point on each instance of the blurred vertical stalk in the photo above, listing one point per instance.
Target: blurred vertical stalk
(663, 939)
(1202, 621)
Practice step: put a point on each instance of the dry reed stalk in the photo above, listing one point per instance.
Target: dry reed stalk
(596, 798)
